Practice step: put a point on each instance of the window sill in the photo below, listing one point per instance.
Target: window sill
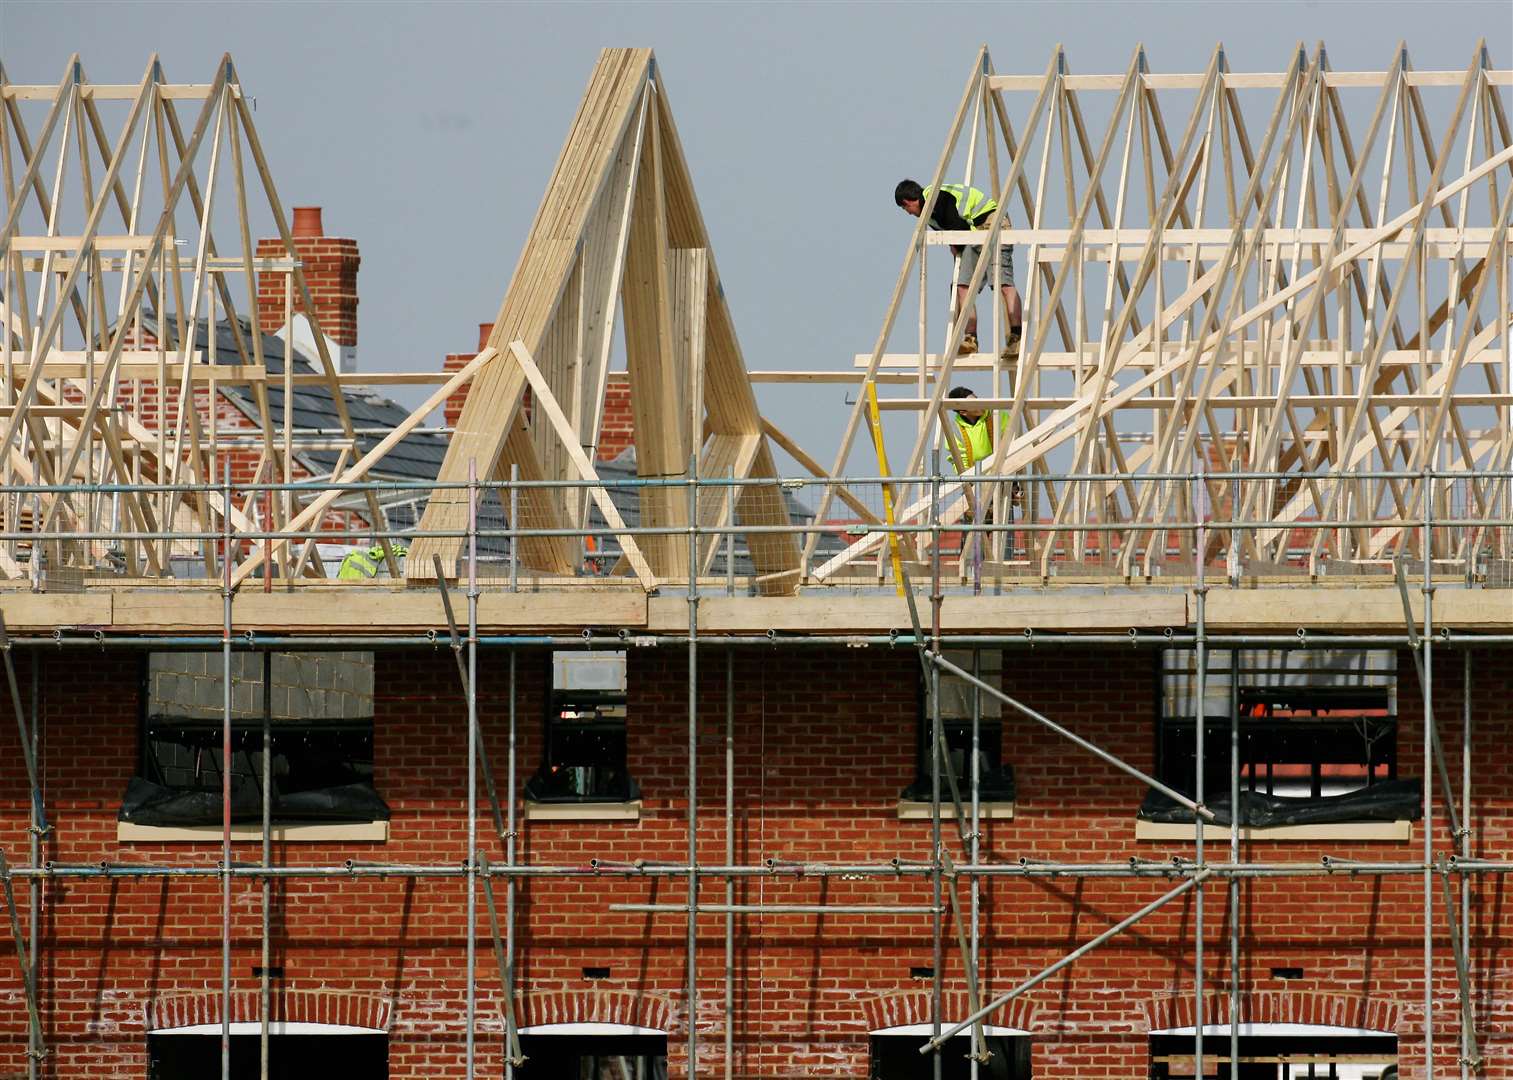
(909, 810)
(314, 833)
(586, 811)
(1345, 830)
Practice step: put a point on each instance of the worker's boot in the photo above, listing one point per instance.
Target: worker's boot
(1011, 347)
(968, 345)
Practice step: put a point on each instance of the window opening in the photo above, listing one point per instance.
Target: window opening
(584, 758)
(995, 778)
(894, 1055)
(593, 1057)
(1276, 1052)
(321, 741)
(194, 1055)
(1313, 723)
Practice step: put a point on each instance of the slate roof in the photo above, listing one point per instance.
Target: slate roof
(417, 457)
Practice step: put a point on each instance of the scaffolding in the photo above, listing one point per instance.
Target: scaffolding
(1330, 455)
(1447, 857)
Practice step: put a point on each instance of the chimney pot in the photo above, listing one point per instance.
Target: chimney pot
(484, 330)
(307, 221)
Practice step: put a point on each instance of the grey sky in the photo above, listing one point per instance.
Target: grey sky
(427, 131)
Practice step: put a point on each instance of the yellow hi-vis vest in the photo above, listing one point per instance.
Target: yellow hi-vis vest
(976, 440)
(360, 565)
(970, 203)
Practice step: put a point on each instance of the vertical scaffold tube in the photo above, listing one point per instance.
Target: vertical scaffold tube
(511, 1037)
(34, 886)
(693, 765)
(1234, 856)
(937, 922)
(730, 860)
(974, 847)
(264, 999)
(1200, 725)
(470, 1051)
(226, 772)
(1464, 844)
(1427, 647)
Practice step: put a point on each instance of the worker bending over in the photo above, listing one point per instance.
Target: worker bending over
(976, 429)
(364, 565)
(959, 207)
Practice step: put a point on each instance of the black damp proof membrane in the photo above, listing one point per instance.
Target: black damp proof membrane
(321, 773)
(1389, 800)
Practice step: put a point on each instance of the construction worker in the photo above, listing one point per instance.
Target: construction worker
(362, 565)
(959, 207)
(975, 429)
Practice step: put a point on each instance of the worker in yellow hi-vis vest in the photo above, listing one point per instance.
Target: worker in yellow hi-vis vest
(976, 429)
(362, 565)
(959, 208)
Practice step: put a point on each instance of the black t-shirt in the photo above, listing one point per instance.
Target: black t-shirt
(946, 216)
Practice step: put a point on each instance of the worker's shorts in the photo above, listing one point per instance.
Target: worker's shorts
(969, 257)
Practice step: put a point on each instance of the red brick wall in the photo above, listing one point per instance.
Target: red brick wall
(618, 429)
(824, 742)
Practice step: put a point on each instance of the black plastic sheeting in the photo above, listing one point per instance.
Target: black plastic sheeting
(994, 785)
(1390, 800)
(147, 803)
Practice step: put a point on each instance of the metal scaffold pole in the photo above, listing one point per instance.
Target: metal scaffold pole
(1463, 843)
(513, 1058)
(937, 921)
(226, 596)
(471, 1006)
(1234, 855)
(1200, 725)
(1427, 673)
(265, 1001)
(25, 963)
(729, 859)
(974, 847)
(36, 1050)
(596, 869)
(692, 943)
(28, 735)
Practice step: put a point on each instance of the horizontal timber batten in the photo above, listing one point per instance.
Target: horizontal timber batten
(1056, 607)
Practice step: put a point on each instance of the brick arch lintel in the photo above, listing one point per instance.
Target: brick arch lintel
(344, 1007)
(1276, 1007)
(626, 1007)
(913, 1007)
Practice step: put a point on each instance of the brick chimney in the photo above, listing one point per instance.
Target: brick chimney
(330, 265)
(452, 407)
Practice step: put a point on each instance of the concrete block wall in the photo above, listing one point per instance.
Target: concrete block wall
(824, 742)
(306, 686)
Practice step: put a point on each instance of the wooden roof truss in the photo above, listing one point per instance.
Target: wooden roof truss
(1301, 273)
(618, 226)
(108, 241)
